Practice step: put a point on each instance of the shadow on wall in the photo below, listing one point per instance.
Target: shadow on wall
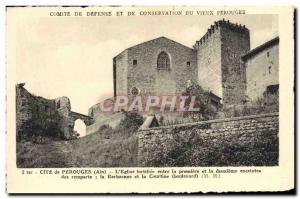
(80, 128)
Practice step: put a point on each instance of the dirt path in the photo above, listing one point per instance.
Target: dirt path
(64, 151)
(96, 150)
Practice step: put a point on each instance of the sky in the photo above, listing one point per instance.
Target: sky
(73, 56)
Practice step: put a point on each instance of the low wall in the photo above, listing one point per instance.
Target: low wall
(240, 141)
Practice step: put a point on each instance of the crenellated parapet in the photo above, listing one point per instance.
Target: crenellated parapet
(221, 24)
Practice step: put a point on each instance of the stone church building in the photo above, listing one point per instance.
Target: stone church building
(160, 66)
(221, 62)
(218, 62)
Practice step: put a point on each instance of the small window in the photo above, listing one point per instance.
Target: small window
(270, 68)
(58, 105)
(273, 89)
(47, 109)
(134, 62)
(268, 54)
(188, 64)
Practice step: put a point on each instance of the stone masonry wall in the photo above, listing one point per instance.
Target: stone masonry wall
(149, 79)
(144, 73)
(209, 63)
(242, 141)
(66, 124)
(23, 112)
(234, 45)
(28, 104)
(220, 68)
(120, 73)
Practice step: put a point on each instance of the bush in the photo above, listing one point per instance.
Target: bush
(131, 121)
(105, 127)
(39, 126)
(268, 103)
(203, 101)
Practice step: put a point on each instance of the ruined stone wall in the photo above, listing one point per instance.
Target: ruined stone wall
(66, 124)
(28, 105)
(259, 75)
(242, 141)
(148, 79)
(23, 111)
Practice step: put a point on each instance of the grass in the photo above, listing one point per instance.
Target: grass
(107, 148)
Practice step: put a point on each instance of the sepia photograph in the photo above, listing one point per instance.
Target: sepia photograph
(147, 88)
(189, 92)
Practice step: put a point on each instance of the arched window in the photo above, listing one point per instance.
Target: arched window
(163, 61)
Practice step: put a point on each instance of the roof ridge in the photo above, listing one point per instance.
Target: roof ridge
(164, 37)
(260, 47)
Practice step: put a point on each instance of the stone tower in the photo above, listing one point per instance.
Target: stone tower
(220, 68)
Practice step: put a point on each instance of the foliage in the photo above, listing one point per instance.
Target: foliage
(131, 121)
(104, 127)
(268, 103)
(41, 124)
(202, 101)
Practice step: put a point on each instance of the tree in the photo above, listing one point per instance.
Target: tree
(202, 101)
(131, 120)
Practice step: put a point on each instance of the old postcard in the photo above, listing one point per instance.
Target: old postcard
(150, 99)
